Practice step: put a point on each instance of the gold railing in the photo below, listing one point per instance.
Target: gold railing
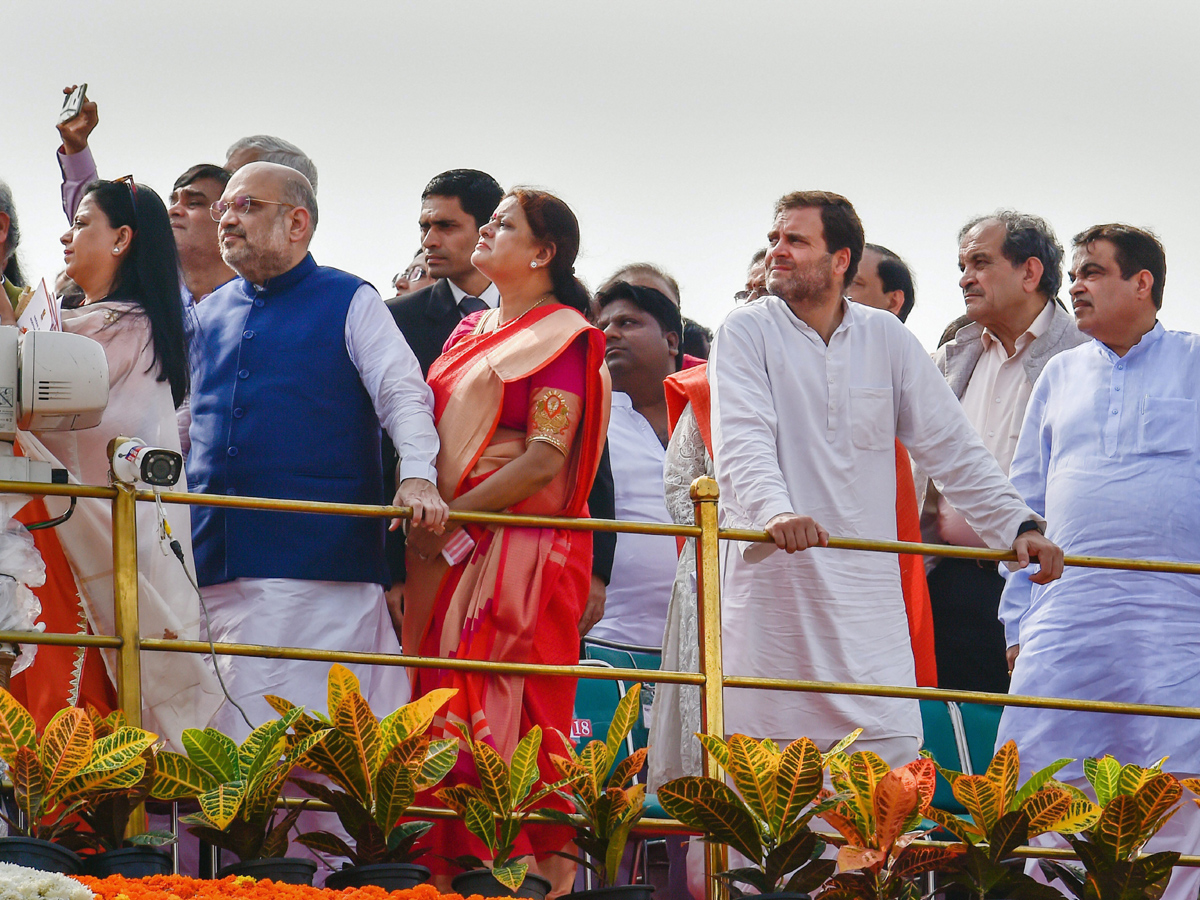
(128, 643)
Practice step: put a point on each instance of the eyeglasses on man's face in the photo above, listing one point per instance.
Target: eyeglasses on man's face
(241, 204)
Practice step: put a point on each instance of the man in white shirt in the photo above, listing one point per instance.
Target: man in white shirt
(642, 328)
(1110, 450)
(810, 393)
(1012, 269)
(299, 366)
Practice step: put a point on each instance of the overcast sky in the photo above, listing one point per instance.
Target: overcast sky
(670, 127)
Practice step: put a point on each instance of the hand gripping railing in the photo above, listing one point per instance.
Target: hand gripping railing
(128, 643)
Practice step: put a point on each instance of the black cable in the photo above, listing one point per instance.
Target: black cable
(178, 551)
(57, 520)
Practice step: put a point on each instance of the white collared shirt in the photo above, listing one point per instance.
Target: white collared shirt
(643, 572)
(490, 295)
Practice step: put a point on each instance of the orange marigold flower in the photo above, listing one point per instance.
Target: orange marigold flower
(180, 887)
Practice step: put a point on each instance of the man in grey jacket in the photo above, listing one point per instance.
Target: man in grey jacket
(1012, 270)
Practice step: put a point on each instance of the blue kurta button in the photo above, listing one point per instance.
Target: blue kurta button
(247, 334)
(232, 451)
(238, 413)
(244, 373)
(258, 302)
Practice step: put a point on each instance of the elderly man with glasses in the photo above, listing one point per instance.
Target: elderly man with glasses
(297, 367)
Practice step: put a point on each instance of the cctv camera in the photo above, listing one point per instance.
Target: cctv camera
(132, 461)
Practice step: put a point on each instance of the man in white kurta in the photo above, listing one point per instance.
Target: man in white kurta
(1110, 452)
(809, 394)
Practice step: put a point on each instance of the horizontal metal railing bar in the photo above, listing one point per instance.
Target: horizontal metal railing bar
(39, 488)
(606, 673)
(609, 525)
(56, 639)
(603, 673)
(404, 512)
(603, 525)
(982, 697)
(945, 550)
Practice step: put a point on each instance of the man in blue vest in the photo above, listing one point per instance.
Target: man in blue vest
(297, 367)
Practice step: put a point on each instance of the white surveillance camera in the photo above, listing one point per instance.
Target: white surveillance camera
(133, 461)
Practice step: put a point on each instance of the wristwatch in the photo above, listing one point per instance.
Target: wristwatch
(1031, 525)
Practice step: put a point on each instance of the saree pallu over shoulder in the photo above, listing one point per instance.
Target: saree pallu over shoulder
(468, 390)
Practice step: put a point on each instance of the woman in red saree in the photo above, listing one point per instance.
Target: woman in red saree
(521, 399)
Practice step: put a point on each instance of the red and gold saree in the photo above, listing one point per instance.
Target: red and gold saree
(519, 593)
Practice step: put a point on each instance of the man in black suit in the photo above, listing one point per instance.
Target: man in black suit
(454, 206)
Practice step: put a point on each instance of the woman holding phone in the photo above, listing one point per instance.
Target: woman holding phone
(121, 253)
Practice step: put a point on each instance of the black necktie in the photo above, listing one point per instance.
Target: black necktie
(468, 305)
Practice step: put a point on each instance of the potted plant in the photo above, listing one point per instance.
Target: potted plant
(1005, 816)
(494, 812)
(379, 767)
(606, 803)
(51, 775)
(1134, 803)
(237, 789)
(878, 814)
(767, 818)
(107, 808)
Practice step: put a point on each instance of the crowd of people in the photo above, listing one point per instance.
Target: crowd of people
(494, 380)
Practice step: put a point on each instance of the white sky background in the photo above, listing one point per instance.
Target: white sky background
(670, 127)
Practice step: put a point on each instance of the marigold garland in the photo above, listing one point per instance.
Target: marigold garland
(180, 887)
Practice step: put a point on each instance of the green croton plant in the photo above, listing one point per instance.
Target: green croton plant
(767, 818)
(237, 787)
(56, 776)
(378, 766)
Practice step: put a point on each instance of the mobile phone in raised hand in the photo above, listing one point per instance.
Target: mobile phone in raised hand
(73, 104)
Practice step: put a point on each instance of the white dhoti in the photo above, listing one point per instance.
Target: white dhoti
(323, 615)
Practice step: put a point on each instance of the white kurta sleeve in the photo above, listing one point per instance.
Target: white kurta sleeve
(745, 423)
(1030, 466)
(392, 377)
(932, 425)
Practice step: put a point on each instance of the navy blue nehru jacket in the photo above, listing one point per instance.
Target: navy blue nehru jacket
(278, 410)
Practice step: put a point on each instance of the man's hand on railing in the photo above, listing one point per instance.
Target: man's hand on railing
(593, 612)
(1034, 545)
(429, 509)
(792, 532)
(1011, 656)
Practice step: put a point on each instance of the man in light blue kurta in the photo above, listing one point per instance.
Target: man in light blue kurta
(1110, 454)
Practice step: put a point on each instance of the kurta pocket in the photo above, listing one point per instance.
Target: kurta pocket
(1168, 425)
(872, 418)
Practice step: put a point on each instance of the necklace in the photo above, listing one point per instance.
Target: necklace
(545, 299)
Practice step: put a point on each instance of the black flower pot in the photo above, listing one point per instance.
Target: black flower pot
(41, 855)
(484, 883)
(617, 892)
(283, 869)
(130, 862)
(389, 876)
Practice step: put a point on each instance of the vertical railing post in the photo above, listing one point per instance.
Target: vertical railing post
(125, 608)
(712, 704)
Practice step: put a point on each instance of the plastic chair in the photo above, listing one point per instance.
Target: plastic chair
(625, 656)
(946, 740)
(981, 724)
(628, 656)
